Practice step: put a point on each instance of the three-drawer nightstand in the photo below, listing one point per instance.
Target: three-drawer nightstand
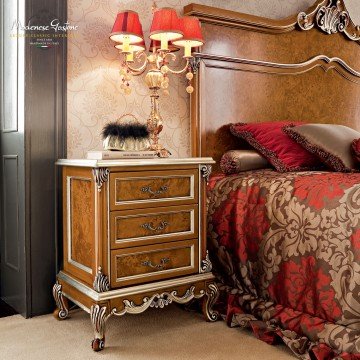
(134, 237)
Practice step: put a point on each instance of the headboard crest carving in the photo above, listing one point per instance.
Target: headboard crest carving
(331, 17)
(332, 20)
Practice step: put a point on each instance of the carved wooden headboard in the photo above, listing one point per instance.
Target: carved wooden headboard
(252, 69)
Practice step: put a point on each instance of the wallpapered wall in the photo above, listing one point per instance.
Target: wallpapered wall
(94, 95)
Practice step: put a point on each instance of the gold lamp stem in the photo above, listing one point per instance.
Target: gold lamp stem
(155, 123)
(153, 80)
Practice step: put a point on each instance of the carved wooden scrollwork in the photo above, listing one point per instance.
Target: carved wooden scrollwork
(101, 175)
(212, 294)
(61, 303)
(331, 17)
(206, 265)
(98, 317)
(101, 281)
(206, 172)
(159, 300)
(332, 20)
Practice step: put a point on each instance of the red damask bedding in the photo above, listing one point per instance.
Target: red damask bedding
(286, 251)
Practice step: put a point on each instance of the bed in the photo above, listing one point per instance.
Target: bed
(285, 247)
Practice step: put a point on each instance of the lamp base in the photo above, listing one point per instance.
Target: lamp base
(160, 150)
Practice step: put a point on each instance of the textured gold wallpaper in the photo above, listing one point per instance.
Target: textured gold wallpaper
(94, 95)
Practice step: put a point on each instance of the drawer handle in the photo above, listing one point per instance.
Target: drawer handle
(160, 266)
(147, 189)
(150, 226)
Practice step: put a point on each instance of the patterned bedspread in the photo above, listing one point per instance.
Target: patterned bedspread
(286, 250)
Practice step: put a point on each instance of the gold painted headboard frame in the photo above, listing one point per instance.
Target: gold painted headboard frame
(254, 69)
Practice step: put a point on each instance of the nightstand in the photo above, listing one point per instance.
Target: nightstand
(134, 237)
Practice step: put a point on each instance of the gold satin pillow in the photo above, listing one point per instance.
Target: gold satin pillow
(330, 143)
(235, 161)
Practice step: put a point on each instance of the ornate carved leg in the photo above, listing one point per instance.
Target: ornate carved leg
(98, 318)
(212, 293)
(62, 311)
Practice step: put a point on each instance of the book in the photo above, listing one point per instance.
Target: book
(112, 155)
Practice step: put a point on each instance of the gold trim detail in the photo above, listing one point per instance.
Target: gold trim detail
(160, 271)
(322, 61)
(132, 162)
(305, 20)
(70, 260)
(133, 290)
(155, 198)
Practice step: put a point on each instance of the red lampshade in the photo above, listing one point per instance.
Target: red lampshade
(127, 25)
(190, 26)
(156, 45)
(134, 47)
(165, 21)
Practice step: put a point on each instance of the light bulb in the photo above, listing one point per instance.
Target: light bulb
(189, 89)
(126, 44)
(187, 50)
(164, 42)
(189, 76)
(130, 57)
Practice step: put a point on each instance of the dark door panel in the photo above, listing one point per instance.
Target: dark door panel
(32, 138)
(12, 249)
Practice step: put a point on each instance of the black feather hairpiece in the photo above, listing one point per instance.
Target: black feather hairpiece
(124, 131)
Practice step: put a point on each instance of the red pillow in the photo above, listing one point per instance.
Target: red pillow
(279, 149)
(356, 149)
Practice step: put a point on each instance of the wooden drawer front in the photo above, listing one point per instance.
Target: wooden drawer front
(149, 226)
(144, 189)
(156, 262)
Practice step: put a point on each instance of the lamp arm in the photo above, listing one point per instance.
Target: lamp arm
(140, 70)
(173, 71)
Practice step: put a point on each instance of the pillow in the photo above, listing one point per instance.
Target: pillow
(355, 145)
(331, 143)
(279, 149)
(235, 161)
